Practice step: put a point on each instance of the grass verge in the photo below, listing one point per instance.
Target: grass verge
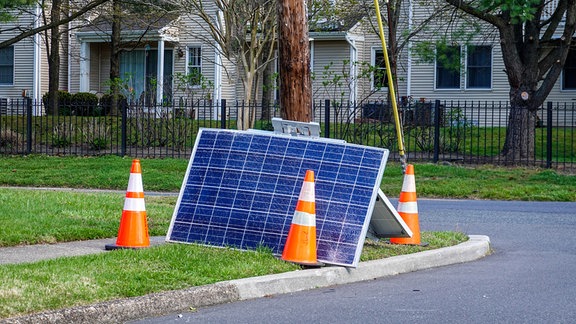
(47, 216)
(42, 216)
(74, 281)
(432, 180)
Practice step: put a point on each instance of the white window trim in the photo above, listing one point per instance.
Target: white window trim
(196, 86)
(373, 50)
(466, 87)
(436, 71)
(562, 89)
(9, 85)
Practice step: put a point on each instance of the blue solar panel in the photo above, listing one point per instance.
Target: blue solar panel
(241, 189)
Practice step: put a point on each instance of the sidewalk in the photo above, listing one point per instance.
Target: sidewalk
(118, 311)
(33, 253)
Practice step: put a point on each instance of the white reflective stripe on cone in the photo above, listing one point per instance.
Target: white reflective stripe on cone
(134, 204)
(307, 192)
(409, 184)
(135, 183)
(408, 207)
(304, 219)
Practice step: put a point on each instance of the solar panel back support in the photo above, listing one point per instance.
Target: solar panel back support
(385, 221)
(241, 188)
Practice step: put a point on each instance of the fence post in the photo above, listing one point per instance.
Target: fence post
(123, 128)
(28, 125)
(549, 135)
(327, 118)
(436, 130)
(223, 113)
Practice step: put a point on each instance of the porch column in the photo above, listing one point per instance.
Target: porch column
(84, 67)
(160, 73)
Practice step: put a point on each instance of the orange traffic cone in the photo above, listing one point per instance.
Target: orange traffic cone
(133, 231)
(408, 208)
(300, 245)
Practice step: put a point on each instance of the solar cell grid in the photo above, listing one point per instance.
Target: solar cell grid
(241, 189)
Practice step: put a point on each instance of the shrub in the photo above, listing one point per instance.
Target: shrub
(9, 139)
(106, 103)
(96, 134)
(85, 104)
(64, 100)
(62, 135)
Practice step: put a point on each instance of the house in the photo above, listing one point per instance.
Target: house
(165, 57)
(481, 74)
(23, 65)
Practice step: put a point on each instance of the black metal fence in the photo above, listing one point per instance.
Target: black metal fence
(455, 131)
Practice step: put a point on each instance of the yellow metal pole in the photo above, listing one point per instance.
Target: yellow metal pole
(391, 89)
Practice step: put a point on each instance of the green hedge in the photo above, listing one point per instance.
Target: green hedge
(85, 104)
(64, 101)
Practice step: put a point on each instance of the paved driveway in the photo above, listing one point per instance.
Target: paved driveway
(530, 277)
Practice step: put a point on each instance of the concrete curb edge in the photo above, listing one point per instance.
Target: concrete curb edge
(158, 304)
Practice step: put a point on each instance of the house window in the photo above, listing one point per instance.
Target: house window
(195, 65)
(139, 74)
(7, 65)
(479, 67)
(448, 67)
(569, 77)
(379, 79)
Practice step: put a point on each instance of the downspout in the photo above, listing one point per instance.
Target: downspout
(217, 71)
(160, 74)
(353, 72)
(217, 80)
(37, 78)
(312, 51)
(68, 54)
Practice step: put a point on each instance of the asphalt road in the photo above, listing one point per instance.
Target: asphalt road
(530, 277)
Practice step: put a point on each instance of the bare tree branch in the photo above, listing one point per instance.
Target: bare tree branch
(47, 26)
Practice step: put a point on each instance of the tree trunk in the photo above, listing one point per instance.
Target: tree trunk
(243, 118)
(115, 57)
(393, 14)
(520, 133)
(294, 59)
(54, 58)
(267, 92)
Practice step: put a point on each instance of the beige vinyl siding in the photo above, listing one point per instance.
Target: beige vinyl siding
(99, 67)
(330, 71)
(23, 73)
(23, 69)
(366, 49)
(228, 80)
(74, 58)
(365, 90)
(423, 74)
(64, 73)
(193, 34)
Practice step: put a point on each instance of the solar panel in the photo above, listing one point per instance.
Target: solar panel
(241, 188)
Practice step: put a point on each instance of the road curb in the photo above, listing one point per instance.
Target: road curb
(476, 247)
(158, 304)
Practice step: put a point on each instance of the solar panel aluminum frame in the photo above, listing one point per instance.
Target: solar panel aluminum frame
(204, 194)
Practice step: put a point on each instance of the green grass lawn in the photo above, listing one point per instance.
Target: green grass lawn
(432, 180)
(50, 216)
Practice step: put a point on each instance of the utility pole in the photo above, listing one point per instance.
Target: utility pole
(294, 61)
